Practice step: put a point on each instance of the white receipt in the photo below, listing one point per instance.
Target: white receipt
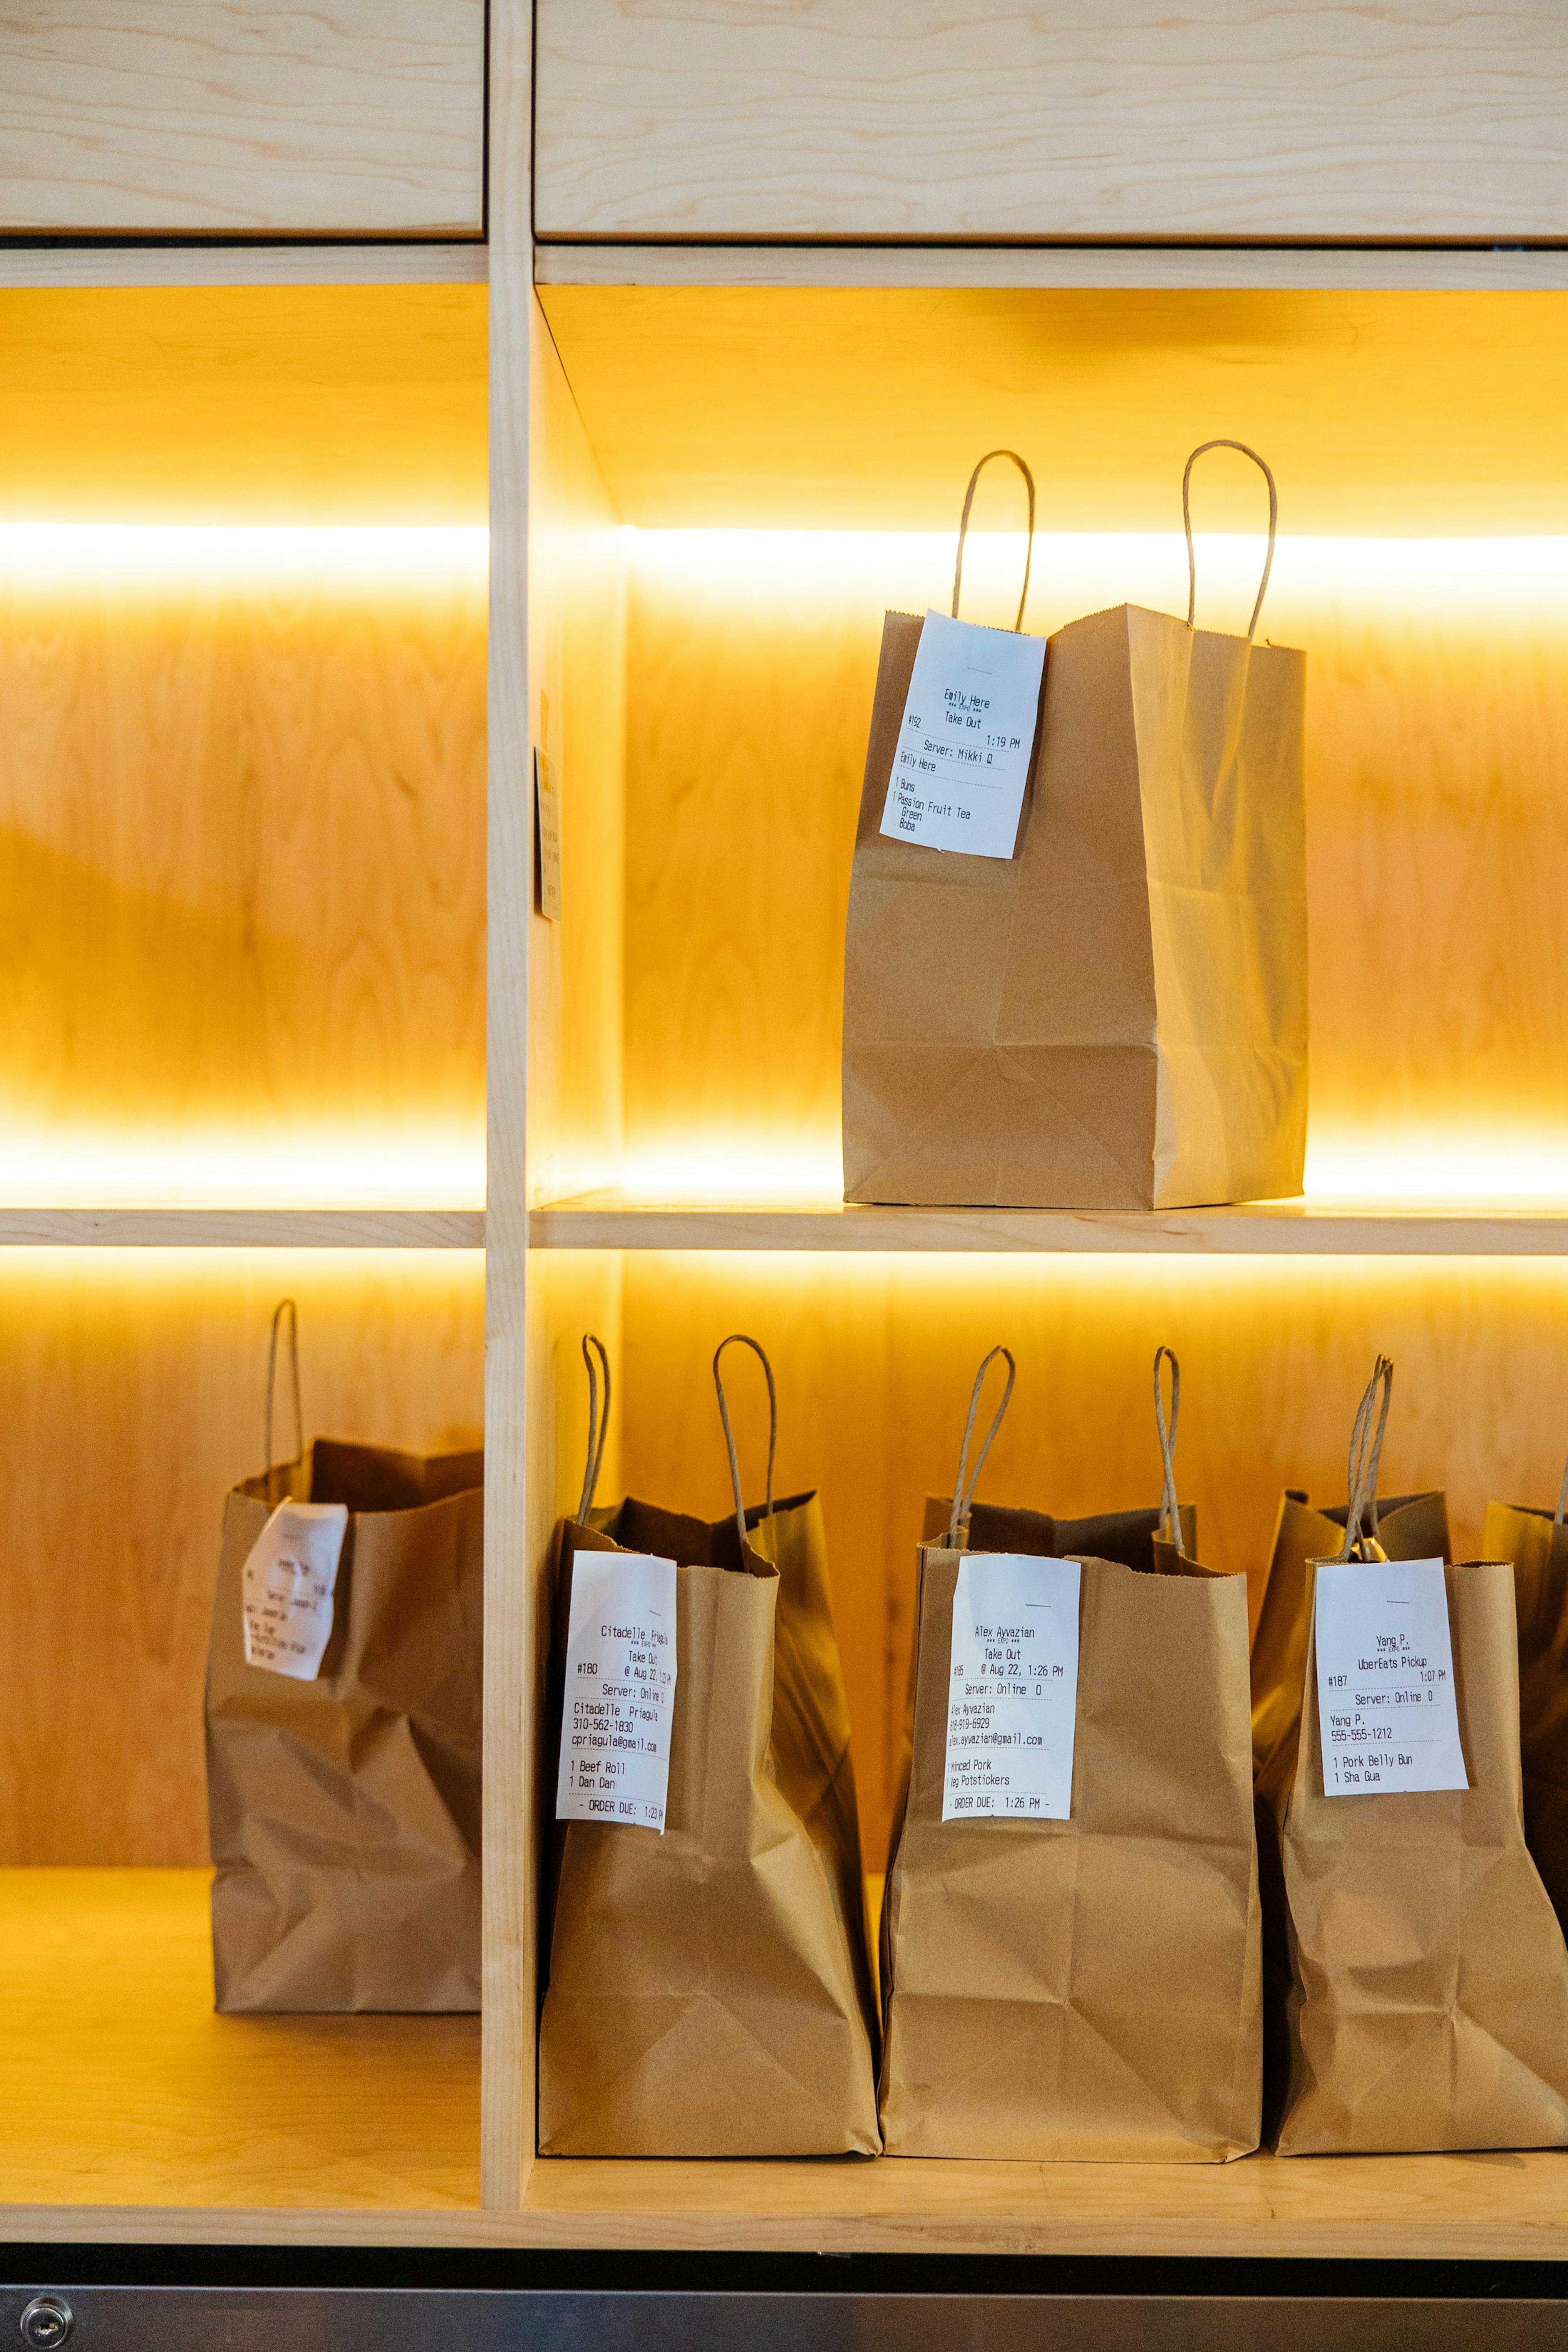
(1385, 1678)
(1012, 1704)
(966, 739)
(290, 1575)
(620, 1690)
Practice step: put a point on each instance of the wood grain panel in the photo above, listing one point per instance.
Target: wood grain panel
(866, 119)
(74, 266)
(120, 2085)
(564, 979)
(132, 1395)
(121, 116)
(212, 403)
(875, 1357)
(1262, 1229)
(241, 874)
(855, 409)
(511, 1854)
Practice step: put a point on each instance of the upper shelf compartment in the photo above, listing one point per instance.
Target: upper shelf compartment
(835, 406)
(1128, 122)
(127, 118)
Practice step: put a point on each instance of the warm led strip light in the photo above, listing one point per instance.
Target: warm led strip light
(1476, 580)
(43, 559)
(414, 1165)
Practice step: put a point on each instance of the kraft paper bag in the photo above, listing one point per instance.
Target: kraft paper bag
(1116, 1016)
(344, 1812)
(1086, 1988)
(1537, 1543)
(710, 1989)
(1426, 1983)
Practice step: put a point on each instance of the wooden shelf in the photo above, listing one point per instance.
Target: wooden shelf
(134, 2114)
(244, 1228)
(1261, 1229)
(1190, 268)
(121, 2088)
(116, 264)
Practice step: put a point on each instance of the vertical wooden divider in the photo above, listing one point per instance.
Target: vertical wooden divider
(507, 2067)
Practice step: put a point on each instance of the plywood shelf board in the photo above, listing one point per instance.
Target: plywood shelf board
(966, 118)
(121, 2088)
(1149, 268)
(397, 262)
(243, 1228)
(1283, 1229)
(142, 116)
(1489, 2207)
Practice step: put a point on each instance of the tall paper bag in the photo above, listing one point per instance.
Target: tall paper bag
(1086, 1988)
(344, 1812)
(1426, 1995)
(1116, 1016)
(710, 1989)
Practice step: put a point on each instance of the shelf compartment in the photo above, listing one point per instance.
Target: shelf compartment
(121, 2087)
(1258, 1228)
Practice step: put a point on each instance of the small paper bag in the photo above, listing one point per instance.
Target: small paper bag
(1087, 1987)
(1114, 1017)
(344, 1809)
(1537, 1544)
(710, 1989)
(1425, 1980)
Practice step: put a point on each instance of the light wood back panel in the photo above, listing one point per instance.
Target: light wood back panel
(130, 1394)
(241, 878)
(242, 865)
(904, 119)
(875, 1357)
(121, 116)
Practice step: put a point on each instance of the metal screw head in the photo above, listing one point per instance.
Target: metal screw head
(47, 2322)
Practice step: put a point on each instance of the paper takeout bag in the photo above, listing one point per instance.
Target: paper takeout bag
(1426, 1983)
(1116, 1016)
(1087, 1988)
(344, 1812)
(710, 1989)
(1537, 1543)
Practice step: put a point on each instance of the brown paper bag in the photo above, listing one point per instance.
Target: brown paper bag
(1086, 1988)
(1537, 1544)
(345, 1812)
(1116, 1016)
(710, 1989)
(1426, 1989)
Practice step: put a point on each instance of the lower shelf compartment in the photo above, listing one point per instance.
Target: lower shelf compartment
(120, 2087)
(133, 2114)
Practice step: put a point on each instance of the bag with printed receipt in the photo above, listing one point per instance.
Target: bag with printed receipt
(1536, 1541)
(1070, 1964)
(1418, 1982)
(343, 1702)
(709, 1985)
(1104, 1003)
